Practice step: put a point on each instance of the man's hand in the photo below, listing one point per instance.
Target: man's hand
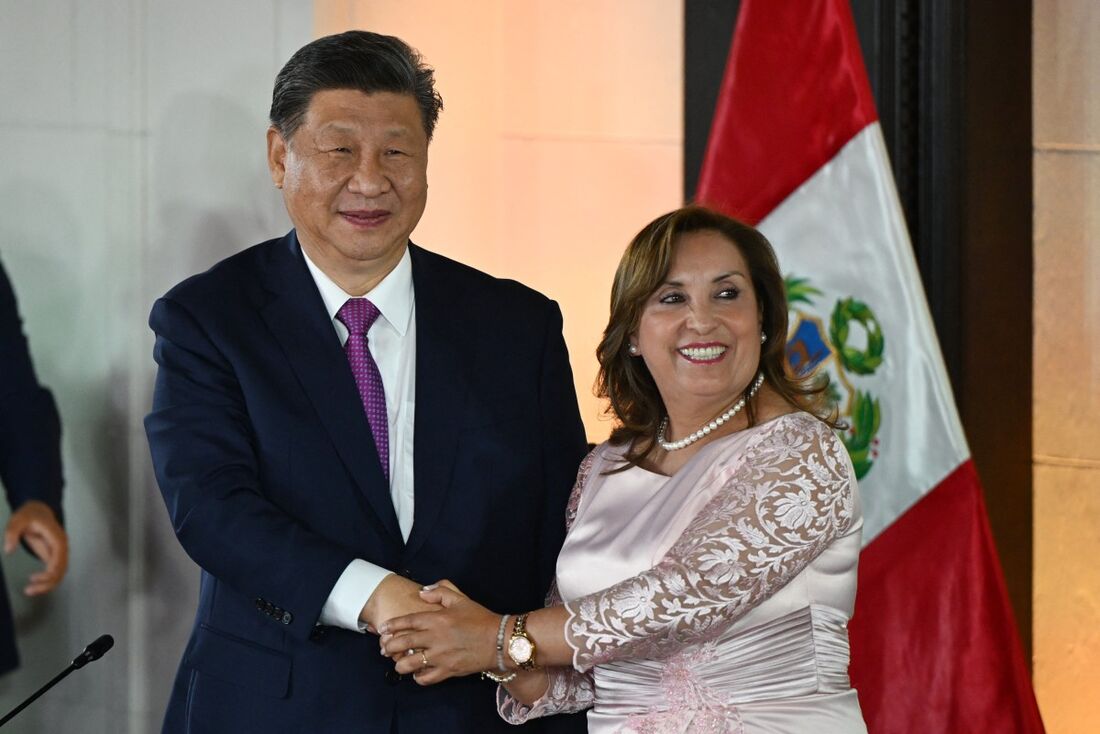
(396, 596)
(457, 641)
(35, 524)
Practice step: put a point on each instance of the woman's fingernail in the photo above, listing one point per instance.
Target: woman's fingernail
(384, 628)
(430, 587)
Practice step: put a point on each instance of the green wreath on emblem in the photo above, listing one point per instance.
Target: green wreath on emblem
(863, 362)
(863, 410)
(860, 438)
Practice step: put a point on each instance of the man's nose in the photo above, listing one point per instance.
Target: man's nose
(369, 179)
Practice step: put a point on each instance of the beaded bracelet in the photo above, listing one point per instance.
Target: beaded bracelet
(504, 676)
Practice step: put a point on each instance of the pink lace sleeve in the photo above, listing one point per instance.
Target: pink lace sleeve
(575, 502)
(568, 690)
(777, 511)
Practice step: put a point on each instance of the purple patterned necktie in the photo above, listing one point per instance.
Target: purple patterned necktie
(358, 314)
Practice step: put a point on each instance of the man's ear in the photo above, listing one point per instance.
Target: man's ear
(276, 156)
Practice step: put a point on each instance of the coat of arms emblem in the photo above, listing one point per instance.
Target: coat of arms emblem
(849, 348)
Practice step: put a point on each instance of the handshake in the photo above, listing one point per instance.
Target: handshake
(436, 632)
(433, 632)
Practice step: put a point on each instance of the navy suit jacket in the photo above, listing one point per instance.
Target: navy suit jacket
(264, 456)
(30, 440)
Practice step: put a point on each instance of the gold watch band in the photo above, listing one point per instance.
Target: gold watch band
(519, 631)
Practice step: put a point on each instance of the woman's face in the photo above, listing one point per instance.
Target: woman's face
(699, 332)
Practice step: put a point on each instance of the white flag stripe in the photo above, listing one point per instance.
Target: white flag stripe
(843, 229)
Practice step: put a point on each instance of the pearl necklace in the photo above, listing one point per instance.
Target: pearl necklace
(713, 425)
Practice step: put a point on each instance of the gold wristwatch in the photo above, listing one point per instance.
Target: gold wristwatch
(521, 648)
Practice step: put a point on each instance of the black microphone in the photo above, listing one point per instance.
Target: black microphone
(92, 652)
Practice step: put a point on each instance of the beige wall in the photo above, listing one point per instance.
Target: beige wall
(132, 139)
(561, 135)
(1067, 364)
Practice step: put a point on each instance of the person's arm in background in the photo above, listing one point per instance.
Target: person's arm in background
(30, 453)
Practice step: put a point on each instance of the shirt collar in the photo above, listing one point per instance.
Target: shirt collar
(393, 296)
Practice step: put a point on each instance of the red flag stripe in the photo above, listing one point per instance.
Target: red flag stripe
(789, 101)
(932, 611)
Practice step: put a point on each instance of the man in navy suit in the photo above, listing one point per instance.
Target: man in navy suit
(341, 416)
(30, 467)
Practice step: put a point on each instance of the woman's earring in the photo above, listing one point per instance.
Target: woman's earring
(633, 349)
(763, 337)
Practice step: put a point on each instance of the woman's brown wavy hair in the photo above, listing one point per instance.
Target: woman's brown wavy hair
(625, 381)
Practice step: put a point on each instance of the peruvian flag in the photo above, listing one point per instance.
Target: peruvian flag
(796, 148)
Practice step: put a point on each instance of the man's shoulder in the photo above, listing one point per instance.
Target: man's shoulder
(473, 286)
(236, 276)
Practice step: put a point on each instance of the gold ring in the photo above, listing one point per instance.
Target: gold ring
(424, 659)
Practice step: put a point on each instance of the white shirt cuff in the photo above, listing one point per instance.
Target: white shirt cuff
(350, 594)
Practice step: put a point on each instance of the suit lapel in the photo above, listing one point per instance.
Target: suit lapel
(440, 391)
(298, 320)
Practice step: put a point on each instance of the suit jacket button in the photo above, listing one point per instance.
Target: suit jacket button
(260, 604)
(392, 677)
(287, 618)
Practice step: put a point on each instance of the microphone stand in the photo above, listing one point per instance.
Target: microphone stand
(92, 652)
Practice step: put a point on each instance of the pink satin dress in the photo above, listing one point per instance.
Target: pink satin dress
(715, 600)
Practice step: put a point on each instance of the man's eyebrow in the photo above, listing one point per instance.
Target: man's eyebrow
(395, 131)
(339, 127)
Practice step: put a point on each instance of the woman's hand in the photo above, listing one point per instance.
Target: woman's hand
(458, 640)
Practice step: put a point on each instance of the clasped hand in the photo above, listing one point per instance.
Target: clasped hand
(457, 640)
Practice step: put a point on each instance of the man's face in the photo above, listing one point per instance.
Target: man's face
(354, 179)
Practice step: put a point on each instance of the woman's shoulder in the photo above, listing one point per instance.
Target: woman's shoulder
(788, 434)
(796, 422)
(609, 453)
(790, 423)
(801, 439)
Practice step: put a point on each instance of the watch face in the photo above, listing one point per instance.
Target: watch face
(520, 649)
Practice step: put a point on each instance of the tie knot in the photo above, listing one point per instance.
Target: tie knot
(358, 314)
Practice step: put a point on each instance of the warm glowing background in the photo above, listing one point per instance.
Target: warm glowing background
(560, 137)
(1066, 57)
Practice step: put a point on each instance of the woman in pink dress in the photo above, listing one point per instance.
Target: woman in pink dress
(709, 570)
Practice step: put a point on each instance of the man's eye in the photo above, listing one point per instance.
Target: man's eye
(340, 150)
(395, 151)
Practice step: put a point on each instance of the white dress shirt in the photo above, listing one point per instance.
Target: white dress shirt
(391, 340)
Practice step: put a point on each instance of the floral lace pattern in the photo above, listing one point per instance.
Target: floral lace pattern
(575, 495)
(774, 513)
(568, 692)
(694, 706)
